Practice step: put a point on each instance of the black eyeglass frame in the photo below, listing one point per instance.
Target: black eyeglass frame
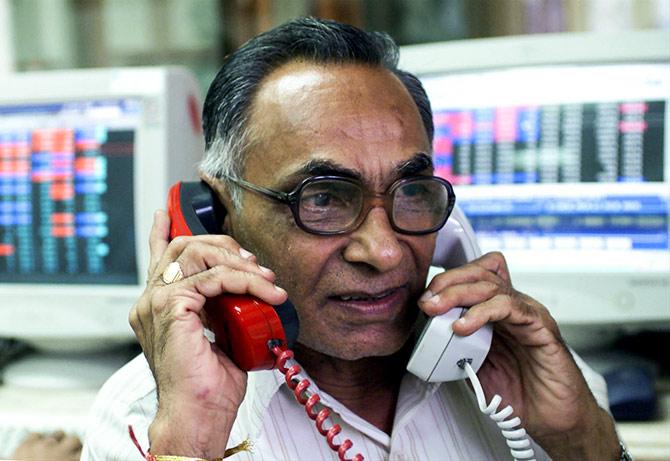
(292, 199)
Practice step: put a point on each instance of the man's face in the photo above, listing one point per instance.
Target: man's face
(355, 293)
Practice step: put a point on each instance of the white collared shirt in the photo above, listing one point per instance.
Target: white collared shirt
(433, 421)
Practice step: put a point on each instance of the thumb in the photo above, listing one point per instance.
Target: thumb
(158, 238)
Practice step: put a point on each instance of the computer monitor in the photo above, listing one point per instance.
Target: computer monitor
(559, 149)
(86, 156)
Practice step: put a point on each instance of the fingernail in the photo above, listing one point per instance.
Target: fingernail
(426, 296)
(462, 321)
(434, 300)
(245, 254)
(280, 289)
(267, 270)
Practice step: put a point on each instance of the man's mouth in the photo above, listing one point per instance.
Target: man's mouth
(380, 303)
(368, 298)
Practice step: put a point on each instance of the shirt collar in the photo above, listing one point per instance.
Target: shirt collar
(263, 386)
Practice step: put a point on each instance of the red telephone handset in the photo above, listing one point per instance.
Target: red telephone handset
(242, 324)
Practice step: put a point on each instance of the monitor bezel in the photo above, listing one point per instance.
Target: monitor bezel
(75, 316)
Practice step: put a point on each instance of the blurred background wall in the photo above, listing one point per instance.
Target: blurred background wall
(60, 34)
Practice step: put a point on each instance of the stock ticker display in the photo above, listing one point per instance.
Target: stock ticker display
(66, 193)
(606, 142)
(586, 155)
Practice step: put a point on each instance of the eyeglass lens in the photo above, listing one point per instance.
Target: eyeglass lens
(419, 205)
(332, 205)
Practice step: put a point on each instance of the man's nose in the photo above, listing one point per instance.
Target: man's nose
(375, 242)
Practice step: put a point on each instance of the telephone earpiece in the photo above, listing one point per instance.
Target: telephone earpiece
(194, 209)
(456, 242)
(242, 324)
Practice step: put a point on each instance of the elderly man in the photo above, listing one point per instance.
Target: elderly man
(318, 110)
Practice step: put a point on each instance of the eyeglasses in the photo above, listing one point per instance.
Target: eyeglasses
(330, 205)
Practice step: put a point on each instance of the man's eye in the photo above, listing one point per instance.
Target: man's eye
(413, 190)
(333, 196)
(321, 199)
(317, 199)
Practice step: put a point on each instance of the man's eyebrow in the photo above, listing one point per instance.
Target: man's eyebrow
(419, 163)
(322, 167)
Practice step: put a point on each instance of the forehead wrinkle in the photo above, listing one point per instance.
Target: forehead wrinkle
(356, 128)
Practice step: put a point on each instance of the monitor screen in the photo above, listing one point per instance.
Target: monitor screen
(570, 174)
(558, 147)
(66, 170)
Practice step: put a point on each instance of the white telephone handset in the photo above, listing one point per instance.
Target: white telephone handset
(439, 355)
(438, 351)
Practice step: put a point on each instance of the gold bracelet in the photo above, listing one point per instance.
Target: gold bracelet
(244, 446)
(177, 458)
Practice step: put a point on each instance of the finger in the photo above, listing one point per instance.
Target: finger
(461, 295)
(496, 263)
(199, 256)
(142, 322)
(158, 238)
(57, 435)
(71, 444)
(179, 244)
(501, 308)
(221, 279)
(32, 437)
(469, 273)
(136, 322)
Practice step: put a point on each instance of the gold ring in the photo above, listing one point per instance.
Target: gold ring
(172, 273)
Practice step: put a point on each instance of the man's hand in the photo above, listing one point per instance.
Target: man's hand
(529, 366)
(199, 388)
(49, 447)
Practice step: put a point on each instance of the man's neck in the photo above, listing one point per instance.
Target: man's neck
(369, 387)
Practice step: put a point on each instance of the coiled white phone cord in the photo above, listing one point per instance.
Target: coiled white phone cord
(516, 438)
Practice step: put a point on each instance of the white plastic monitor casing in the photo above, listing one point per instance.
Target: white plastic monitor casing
(610, 296)
(438, 351)
(168, 146)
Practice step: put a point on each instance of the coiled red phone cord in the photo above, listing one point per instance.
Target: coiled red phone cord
(300, 388)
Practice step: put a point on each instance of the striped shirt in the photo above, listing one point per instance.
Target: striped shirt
(433, 421)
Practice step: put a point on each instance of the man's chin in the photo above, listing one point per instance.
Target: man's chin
(358, 348)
